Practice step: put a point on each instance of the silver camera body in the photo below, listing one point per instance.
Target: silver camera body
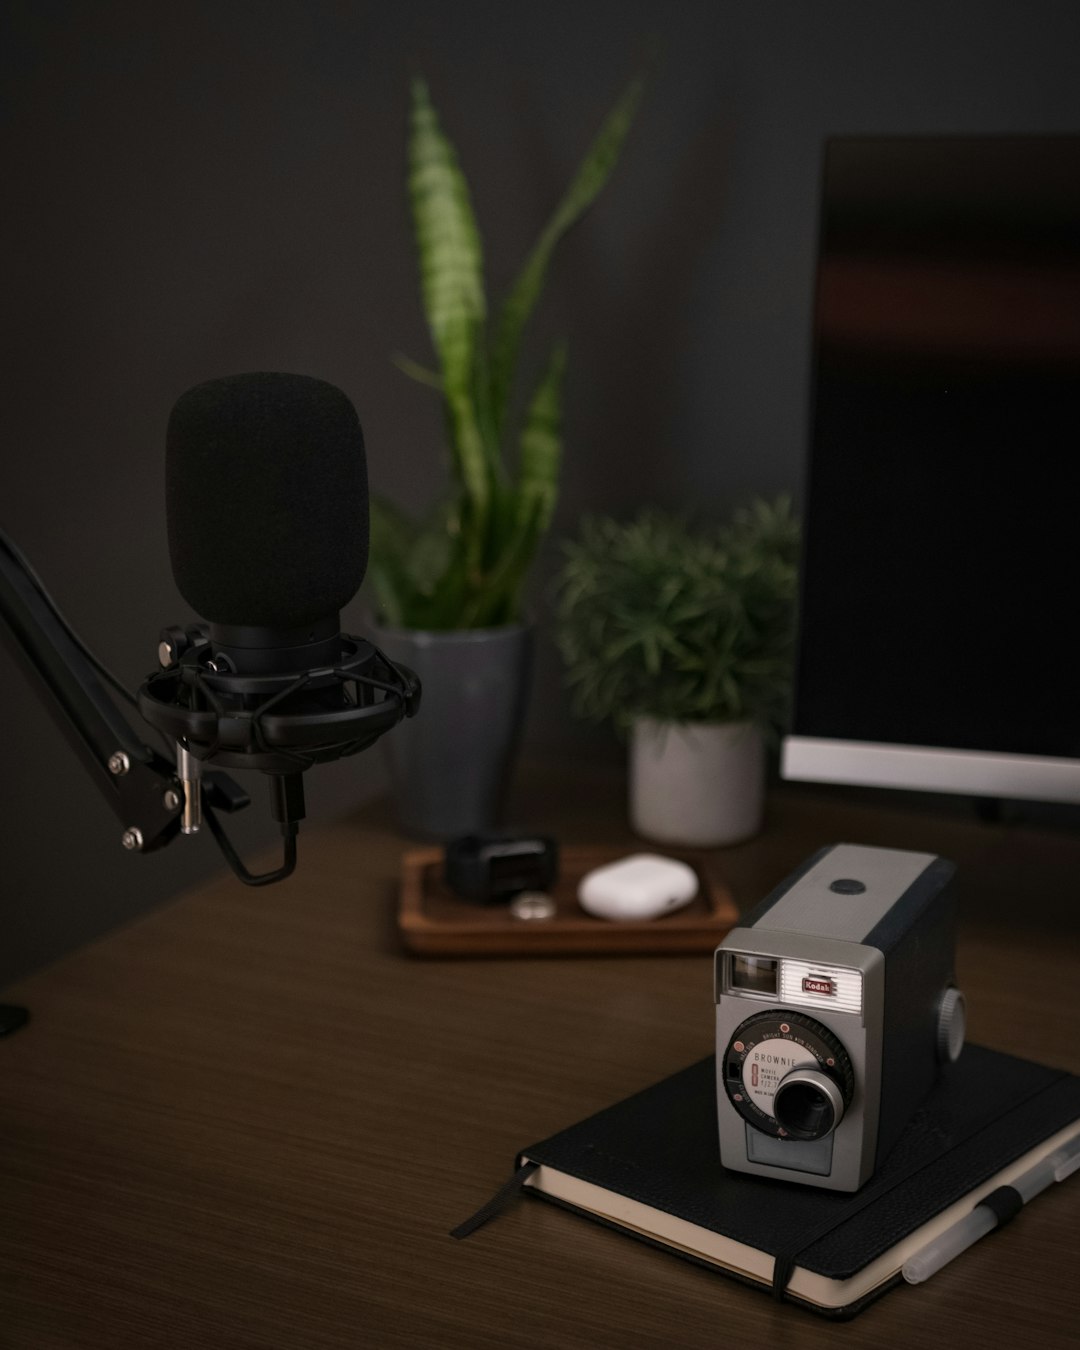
(835, 1010)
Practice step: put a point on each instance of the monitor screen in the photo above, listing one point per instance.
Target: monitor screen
(941, 566)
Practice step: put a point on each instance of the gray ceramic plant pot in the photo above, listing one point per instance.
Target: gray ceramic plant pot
(700, 784)
(450, 765)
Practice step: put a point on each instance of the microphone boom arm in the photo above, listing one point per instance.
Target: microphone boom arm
(138, 782)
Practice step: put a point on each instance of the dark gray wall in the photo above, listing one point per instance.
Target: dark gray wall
(215, 186)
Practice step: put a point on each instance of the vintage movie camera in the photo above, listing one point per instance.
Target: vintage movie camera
(835, 1010)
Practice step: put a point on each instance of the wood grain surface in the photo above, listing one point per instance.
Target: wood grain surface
(250, 1119)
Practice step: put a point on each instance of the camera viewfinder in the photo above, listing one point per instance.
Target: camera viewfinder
(755, 973)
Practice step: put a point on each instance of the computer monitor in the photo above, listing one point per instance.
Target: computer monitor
(940, 588)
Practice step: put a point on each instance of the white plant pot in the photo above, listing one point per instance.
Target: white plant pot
(699, 784)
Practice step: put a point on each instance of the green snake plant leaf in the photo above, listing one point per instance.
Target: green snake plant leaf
(467, 441)
(428, 560)
(533, 500)
(541, 447)
(498, 601)
(451, 261)
(392, 538)
(452, 285)
(592, 174)
(417, 372)
(442, 606)
(539, 456)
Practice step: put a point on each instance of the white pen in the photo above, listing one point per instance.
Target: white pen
(982, 1219)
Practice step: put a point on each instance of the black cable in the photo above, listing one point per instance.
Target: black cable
(288, 864)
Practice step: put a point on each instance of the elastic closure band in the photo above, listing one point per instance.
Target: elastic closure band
(1005, 1203)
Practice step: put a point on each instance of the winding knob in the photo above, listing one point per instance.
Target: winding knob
(952, 1025)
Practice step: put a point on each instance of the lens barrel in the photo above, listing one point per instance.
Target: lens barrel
(808, 1104)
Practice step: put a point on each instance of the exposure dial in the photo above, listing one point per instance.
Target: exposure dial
(788, 1075)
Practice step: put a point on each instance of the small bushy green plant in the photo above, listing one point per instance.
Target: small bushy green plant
(465, 565)
(658, 618)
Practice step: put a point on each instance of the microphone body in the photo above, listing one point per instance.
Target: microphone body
(266, 500)
(267, 511)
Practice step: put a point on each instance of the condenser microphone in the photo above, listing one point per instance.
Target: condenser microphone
(267, 517)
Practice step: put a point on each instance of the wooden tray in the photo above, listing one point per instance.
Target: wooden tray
(433, 921)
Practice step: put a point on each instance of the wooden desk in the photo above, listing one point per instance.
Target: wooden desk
(250, 1121)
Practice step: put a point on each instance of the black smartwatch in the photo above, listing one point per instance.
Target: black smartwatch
(491, 868)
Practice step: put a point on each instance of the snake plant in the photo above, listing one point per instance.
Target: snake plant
(464, 565)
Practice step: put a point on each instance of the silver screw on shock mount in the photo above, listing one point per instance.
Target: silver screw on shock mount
(171, 799)
(119, 764)
(132, 839)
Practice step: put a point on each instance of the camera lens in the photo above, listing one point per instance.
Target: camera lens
(808, 1104)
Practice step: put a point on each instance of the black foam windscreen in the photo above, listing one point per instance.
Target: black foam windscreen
(266, 500)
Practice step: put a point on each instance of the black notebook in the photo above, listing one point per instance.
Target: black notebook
(650, 1166)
